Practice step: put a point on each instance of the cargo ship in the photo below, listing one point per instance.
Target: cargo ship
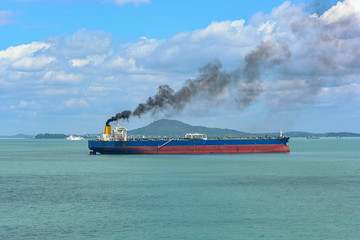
(116, 142)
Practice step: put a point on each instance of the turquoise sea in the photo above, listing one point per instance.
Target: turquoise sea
(53, 189)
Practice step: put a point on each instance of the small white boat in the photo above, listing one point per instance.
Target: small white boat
(71, 137)
(313, 137)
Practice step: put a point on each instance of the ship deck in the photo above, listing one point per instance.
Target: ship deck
(184, 139)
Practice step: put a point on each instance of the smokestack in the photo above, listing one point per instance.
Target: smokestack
(107, 129)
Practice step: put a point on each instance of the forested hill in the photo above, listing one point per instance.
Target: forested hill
(174, 128)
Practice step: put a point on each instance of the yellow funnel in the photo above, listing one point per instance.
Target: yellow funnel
(107, 129)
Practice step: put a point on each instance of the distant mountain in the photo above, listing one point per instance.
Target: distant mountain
(174, 128)
(303, 134)
(329, 134)
(342, 134)
(18, 136)
(50, 136)
(62, 136)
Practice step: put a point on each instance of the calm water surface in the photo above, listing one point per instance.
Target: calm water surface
(53, 189)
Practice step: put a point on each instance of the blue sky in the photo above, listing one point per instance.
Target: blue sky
(38, 20)
(66, 66)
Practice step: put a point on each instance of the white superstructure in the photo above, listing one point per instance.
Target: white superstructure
(118, 134)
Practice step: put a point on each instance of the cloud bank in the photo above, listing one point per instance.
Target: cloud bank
(287, 60)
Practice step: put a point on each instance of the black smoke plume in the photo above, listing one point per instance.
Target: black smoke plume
(212, 81)
(266, 55)
(123, 115)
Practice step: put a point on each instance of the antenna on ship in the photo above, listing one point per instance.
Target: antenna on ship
(281, 133)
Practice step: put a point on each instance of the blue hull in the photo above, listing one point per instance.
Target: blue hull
(191, 146)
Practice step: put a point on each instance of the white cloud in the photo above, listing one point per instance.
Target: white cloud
(93, 64)
(136, 2)
(82, 44)
(25, 109)
(79, 62)
(99, 89)
(94, 60)
(76, 103)
(124, 65)
(65, 92)
(142, 48)
(25, 105)
(13, 53)
(52, 77)
(188, 51)
(32, 63)
(341, 11)
(6, 17)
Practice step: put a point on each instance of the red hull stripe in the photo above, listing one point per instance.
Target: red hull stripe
(197, 149)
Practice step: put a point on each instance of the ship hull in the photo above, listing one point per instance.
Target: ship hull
(258, 145)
